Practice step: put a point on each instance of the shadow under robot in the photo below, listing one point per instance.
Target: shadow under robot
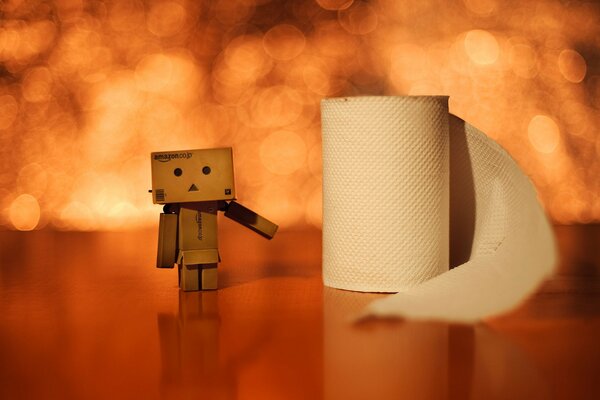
(194, 185)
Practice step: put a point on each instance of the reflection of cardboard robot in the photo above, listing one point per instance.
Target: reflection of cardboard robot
(194, 185)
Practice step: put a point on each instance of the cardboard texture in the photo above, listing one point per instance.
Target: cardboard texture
(251, 220)
(192, 175)
(195, 185)
(167, 241)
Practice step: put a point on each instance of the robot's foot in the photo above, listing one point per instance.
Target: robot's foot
(209, 279)
(198, 277)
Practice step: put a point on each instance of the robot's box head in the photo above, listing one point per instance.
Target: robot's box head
(192, 175)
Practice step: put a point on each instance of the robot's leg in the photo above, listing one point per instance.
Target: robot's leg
(198, 277)
(209, 276)
(189, 277)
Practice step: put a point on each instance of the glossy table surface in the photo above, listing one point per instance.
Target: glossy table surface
(86, 315)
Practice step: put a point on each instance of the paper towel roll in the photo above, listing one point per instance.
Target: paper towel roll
(385, 197)
(386, 211)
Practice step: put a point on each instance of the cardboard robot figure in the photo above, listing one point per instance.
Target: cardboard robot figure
(194, 185)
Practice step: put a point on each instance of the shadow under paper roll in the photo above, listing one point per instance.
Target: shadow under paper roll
(462, 195)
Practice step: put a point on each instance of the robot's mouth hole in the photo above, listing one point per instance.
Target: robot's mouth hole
(193, 188)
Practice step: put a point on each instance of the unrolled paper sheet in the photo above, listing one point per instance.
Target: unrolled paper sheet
(410, 190)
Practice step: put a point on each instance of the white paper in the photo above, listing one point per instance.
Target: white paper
(408, 190)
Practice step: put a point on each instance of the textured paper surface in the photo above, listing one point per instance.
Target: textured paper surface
(408, 190)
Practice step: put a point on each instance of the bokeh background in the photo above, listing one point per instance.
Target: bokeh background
(89, 88)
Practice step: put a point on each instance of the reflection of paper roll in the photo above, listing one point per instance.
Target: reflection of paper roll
(420, 360)
(400, 361)
(386, 211)
(385, 197)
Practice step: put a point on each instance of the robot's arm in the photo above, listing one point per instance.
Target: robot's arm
(249, 219)
(167, 237)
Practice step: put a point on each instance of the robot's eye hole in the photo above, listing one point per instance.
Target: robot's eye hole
(206, 170)
(177, 172)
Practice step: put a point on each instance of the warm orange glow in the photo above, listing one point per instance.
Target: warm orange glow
(9, 109)
(523, 60)
(572, 65)
(25, 212)
(284, 42)
(543, 133)
(409, 63)
(317, 78)
(481, 7)
(166, 18)
(173, 75)
(232, 12)
(33, 179)
(78, 216)
(287, 208)
(481, 47)
(37, 85)
(88, 91)
(22, 42)
(335, 4)
(315, 161)
(359, 19)
(314, 208)
(283, 152)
